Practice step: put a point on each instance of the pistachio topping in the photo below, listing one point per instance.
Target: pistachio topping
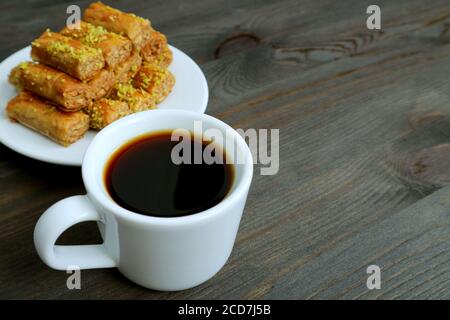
(62, 47)
(24, 65)
(91, 35)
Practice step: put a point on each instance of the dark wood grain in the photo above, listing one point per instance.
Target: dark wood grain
(364, 119)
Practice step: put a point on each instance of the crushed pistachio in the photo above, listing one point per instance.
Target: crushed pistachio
(97, 113)
(23, 65)
(93, 34)
(125, 91)
(146, 81)
(62, 47)
(153, 77)
(134, 68)
(95, 116)
(137, 99)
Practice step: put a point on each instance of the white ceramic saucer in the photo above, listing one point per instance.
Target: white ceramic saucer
(189, 93)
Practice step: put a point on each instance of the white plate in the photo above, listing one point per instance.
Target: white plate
(189, 93)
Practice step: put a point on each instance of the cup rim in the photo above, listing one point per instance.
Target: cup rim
(97, 195)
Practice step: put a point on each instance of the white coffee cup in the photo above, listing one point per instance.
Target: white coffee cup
(158, 253)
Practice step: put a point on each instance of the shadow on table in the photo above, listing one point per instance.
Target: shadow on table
(64, 175)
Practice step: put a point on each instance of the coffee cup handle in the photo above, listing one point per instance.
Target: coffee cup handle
(57, 219)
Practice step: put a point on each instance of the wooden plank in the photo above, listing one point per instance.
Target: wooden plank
(410, 246)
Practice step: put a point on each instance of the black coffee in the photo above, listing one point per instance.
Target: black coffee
(142, 177)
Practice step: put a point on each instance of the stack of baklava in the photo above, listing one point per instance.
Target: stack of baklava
(90, 74)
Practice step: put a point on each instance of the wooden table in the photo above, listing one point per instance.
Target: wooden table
(364, 119)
